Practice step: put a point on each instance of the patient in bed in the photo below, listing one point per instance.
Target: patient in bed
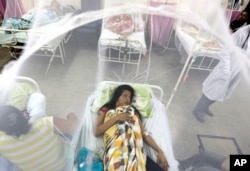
(26, 99)
(36, 145)
(41, 16)
(123, 135)
(45, 15)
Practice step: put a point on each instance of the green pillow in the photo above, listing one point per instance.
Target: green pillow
(103, 94)
(142, 100)
(19, 95)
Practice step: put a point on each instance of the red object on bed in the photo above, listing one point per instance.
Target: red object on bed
(120, 24)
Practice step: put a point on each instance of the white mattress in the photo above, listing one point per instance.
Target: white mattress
(22, 36)
(187, 42)
(136, 40)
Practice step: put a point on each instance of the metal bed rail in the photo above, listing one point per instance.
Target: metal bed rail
(122, 51)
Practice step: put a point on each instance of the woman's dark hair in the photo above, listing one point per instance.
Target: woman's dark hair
(117, 93)
(13, 122)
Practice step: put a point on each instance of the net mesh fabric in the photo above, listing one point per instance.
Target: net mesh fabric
(200, 28)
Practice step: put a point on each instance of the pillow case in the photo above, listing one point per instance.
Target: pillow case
(142, 99)
(19, 95)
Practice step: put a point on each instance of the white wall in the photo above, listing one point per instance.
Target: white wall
(111, 3)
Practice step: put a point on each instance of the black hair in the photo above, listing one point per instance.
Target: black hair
(117, 93)
(12, 121)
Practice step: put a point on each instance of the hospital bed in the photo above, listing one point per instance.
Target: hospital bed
(147, 101)
(17, 94)
(16, 37)
(196, 46)
(203, 55)
(122, 40)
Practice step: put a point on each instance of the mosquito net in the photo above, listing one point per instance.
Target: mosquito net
(185, 47)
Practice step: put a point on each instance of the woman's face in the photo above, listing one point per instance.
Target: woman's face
(124, 99)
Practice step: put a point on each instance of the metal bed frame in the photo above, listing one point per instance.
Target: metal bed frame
(126, 55)
(48, 50)
(201, 138)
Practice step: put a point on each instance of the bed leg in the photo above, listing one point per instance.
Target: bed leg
(61, 53)
(50, 61)
(63, 50)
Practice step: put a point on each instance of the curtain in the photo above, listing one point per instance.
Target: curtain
(2, 7)
(14, 8)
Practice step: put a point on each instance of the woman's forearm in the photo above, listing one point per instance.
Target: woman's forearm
(100, 129)
(149, 140)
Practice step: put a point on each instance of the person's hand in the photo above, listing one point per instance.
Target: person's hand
(162, 161)
(124, 117)
(72, 116)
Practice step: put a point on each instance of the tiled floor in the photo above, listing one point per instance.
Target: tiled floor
(68, 86)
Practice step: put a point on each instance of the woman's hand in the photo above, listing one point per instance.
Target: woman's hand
(124, 117)
(161, 160)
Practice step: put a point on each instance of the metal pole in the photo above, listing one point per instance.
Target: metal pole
(181, 75)
(125, 56)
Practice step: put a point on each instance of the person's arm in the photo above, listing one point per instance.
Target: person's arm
(102, 126)
(161, 160)
(69, 125)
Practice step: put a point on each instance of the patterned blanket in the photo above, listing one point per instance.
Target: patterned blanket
(124, 24)
(123, 143)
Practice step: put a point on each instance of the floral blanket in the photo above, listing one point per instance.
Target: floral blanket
(123, 24)
(123, 143)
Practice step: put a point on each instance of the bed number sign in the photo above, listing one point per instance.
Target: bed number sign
(239, 162)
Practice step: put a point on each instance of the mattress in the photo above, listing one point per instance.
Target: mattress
(187, 41)
(21, 36)
(136, 40)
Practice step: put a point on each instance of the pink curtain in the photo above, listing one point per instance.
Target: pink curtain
(2, 7)
(14, 8)
(160, 26)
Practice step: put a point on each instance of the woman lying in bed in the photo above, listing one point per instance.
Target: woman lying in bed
(123, 134)
(41, 16)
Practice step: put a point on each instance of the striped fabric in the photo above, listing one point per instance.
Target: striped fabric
(41, 149)
(123, 144)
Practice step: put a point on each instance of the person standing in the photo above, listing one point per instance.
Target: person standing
(222, 81)
(240, 21)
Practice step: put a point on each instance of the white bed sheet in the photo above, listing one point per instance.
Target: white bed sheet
(157, 126)
(187, 42)
(136, 40)
(22, 36)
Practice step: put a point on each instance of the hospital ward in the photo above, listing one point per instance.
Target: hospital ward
(124, 85)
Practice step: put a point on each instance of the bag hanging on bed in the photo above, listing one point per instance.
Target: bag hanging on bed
(87, 161)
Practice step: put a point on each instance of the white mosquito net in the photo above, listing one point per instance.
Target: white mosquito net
(69, 47)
